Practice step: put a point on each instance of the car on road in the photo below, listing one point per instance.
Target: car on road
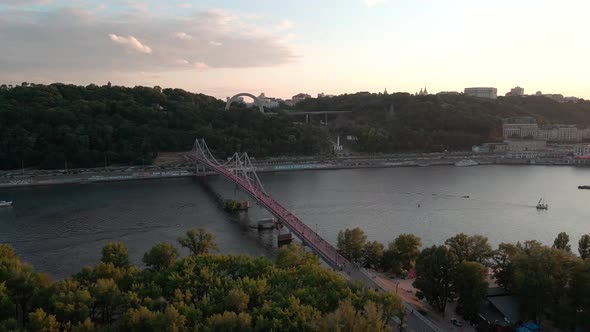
(456, 322)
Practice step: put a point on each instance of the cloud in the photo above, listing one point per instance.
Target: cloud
(70, 44)
(182, 61)
(140, 7)
(218, 17)
(183, 35)
(131, 43)
(25, 2)
(371, 3)
(284, 25)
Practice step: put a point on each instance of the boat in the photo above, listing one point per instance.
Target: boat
(466, 163)
(583, 187)
(5, 203)
(541, 205)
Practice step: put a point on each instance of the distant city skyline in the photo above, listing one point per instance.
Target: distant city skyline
(223, 47)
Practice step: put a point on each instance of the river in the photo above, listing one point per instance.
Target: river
(60, 229)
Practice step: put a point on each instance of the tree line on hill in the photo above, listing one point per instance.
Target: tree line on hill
(59, 125)
(551, 283)
(200, 292)
(403, 122)
(66, 126)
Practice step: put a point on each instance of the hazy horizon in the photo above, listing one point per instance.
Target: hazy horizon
(224, 47)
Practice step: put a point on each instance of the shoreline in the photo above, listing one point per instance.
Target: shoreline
(98, 175)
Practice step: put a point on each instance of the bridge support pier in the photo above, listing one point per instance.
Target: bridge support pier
(284, 238)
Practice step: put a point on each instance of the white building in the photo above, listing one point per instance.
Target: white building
(558, 133)
(582, 150)
(518, 145)
(268, 102)
(299, 97)
(583, 134)
(491, 93)
(523, 127)
(518, 91)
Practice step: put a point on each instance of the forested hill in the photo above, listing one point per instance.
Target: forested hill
(48, 126)
(402, 122)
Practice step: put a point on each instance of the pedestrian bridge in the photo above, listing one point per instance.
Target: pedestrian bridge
(239, 170)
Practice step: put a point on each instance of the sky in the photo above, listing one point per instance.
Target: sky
(284, 47)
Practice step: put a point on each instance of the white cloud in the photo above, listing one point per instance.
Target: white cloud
(183, 35)
(371, 3)
(185, 5)
(131, 43)
(284, 25)
(70, 44)
(219, 17)
(140, 7)
(25, 2)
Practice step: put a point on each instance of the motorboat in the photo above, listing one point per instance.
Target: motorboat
(542, 205)
(5, 203)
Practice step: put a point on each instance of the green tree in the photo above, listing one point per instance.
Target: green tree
(541, 275)
(236, 300)
(401, 253)
(503, 264)
(473, 248)
(145, 320)
(7, 305)
(198, 241)
(347, 318)
(562, 242)
(372, 254)
(351, 243)
(107, 297)
(115, 253)
(195, 293)
(161, 256)
(40, 321)
(584, 246)
(436, 269)
(70, 301)
(294, 255)
(230, 322)
(471, 287)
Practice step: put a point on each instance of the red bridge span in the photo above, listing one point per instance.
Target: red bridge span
(240, 171)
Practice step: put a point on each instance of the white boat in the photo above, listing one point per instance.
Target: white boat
(5, 203)
(466, 163)
(541, 205)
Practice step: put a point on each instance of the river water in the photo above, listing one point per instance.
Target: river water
(60, 229)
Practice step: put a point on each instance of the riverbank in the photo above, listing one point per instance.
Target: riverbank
(18, 178)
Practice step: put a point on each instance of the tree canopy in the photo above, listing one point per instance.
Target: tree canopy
(404, 122)
(49, 126)
(201, 292)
